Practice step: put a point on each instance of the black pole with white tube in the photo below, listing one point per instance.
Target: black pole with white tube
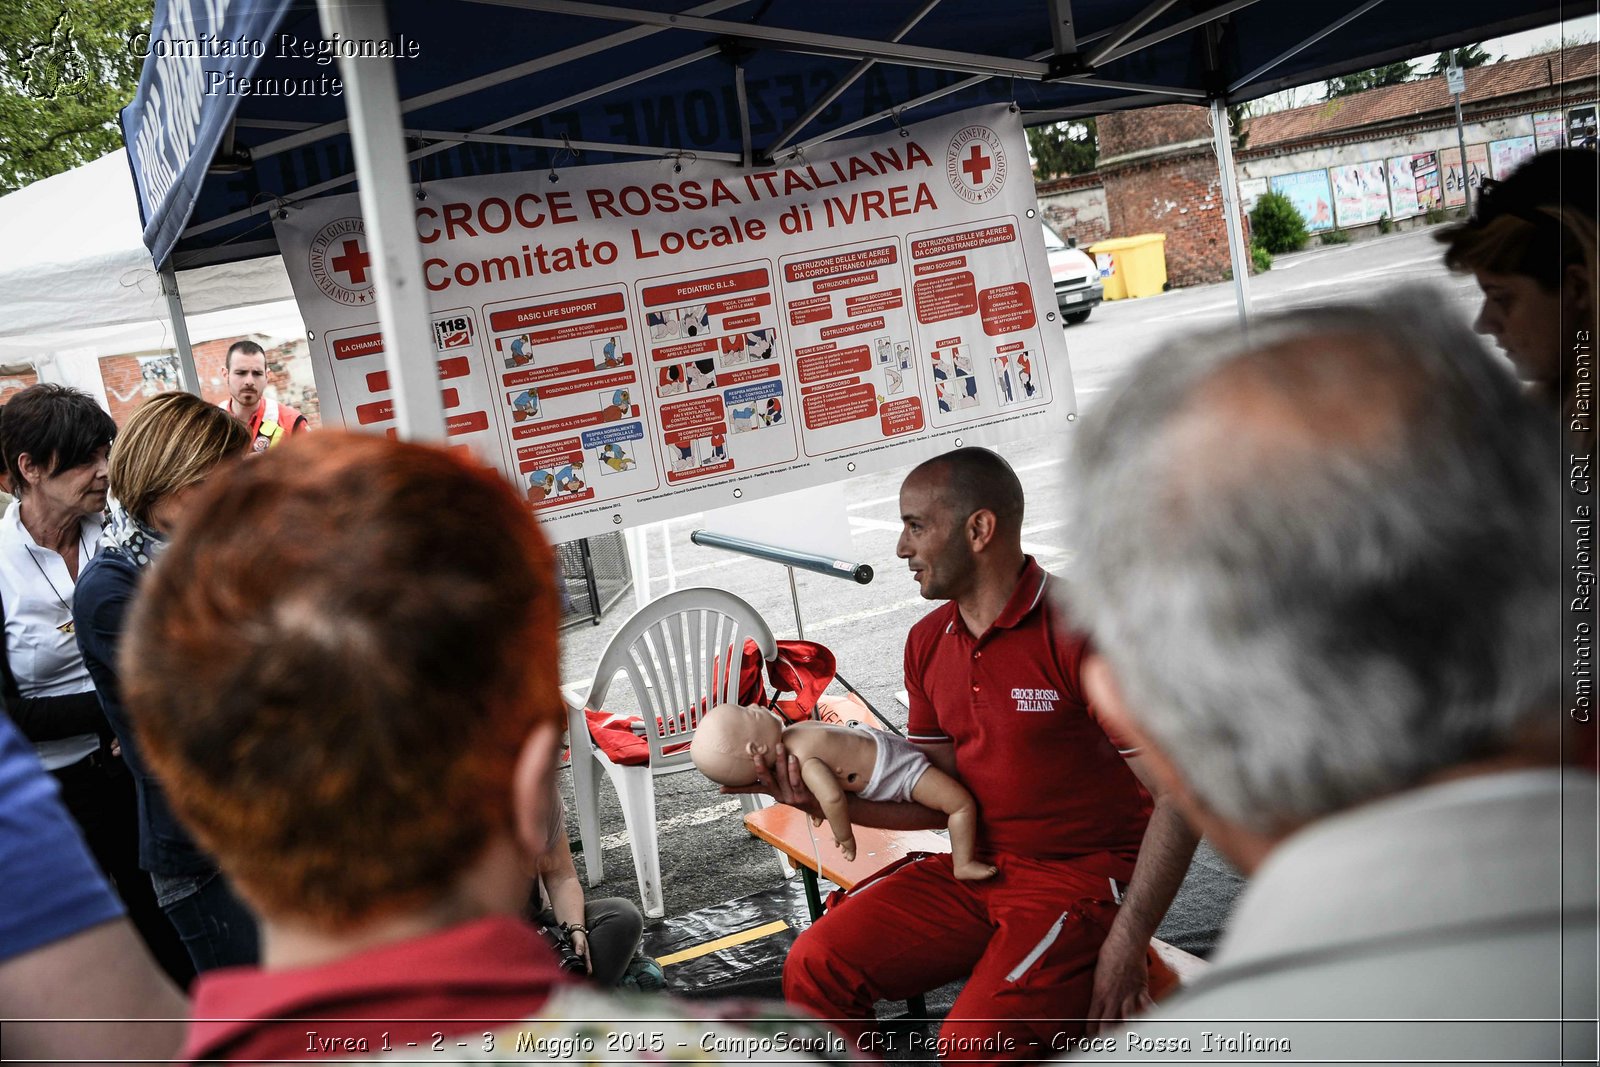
(806, 561)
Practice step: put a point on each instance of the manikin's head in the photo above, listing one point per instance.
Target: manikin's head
(729, 738)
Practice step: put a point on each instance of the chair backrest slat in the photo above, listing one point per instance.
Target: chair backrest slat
(680, 652)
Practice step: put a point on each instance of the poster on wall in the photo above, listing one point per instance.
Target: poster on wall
(1360, 193)
(640, 340)
(1402, 188)
(1581, 127)
(1549, 130)
(1309, 192)
(1425, 175)
(1455, 194)
(1251, 190)
(1507, 155)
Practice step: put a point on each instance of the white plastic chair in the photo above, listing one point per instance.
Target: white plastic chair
(668, 650)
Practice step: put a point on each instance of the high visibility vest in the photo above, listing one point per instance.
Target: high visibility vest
(271, 431)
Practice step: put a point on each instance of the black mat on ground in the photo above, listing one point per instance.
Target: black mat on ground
(753, 969)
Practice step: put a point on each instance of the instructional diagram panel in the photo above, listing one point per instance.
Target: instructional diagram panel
(719, 378)
(570, 391)
(846, 312)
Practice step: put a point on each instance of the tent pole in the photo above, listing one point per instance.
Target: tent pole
(391, 228)
(637, 538)
(744, 116)
(1237, 254)
(188, 377)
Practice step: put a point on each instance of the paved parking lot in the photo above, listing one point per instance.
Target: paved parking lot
(706, 856)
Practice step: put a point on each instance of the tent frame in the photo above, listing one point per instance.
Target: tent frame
(376, 123)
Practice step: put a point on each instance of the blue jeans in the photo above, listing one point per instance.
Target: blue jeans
(214, 925)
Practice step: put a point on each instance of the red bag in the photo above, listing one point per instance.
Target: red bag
(621, 738)
(615, 737)
(803, 668)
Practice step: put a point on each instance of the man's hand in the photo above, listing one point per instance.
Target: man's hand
(781, 781)
(580, 944)
(1121, 986)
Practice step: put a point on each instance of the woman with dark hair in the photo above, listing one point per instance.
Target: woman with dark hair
(1531, 246)
(56, 442)
(168, 449)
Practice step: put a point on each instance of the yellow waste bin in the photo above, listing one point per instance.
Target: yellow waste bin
(1138, 265)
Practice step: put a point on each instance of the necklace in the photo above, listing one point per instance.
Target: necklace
(66, 627)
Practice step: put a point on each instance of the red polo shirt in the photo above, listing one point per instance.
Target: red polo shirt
(458, 983)
(1048, 781)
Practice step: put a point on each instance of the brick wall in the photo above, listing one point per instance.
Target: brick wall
(1159, 180)
(125, 387)
(1122, 132)
(12, 384)
(130, 380)
(1076, 207)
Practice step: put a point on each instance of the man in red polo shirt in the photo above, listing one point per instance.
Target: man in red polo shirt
(1087, 863)
(270, 422)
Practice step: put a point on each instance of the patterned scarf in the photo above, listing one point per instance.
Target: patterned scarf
(134, 539)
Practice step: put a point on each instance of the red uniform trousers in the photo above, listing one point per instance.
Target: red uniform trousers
(1026, 940)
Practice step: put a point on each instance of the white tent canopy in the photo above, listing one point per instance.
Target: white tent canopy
(76, 279)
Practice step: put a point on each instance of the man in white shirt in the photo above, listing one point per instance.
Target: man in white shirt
(1322, 568)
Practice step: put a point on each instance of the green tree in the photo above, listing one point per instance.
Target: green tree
(66, 68)
(1276, 224)
(1471, 55)
(1064, 148)
(1362, 80)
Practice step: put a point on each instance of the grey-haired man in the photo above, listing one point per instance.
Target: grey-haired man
(1322, 571)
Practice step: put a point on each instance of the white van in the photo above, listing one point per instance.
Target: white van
(1077, 280)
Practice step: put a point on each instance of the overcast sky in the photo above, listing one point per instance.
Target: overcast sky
(1573, 31)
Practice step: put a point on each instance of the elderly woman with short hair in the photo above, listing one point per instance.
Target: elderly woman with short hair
(168, 449)
(55, 441)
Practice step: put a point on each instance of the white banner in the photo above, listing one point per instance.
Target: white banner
(637, 341)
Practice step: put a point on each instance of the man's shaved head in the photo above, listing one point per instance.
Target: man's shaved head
(975, 479)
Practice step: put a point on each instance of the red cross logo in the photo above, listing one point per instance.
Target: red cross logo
(354, 262)
(975, 165)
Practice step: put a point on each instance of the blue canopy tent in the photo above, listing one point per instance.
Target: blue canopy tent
(487, 86)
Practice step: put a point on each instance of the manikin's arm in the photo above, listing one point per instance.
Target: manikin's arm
(819, 778)
(784, 782)
(941, 792)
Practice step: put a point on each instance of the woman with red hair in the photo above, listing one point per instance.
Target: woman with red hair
(344, 670)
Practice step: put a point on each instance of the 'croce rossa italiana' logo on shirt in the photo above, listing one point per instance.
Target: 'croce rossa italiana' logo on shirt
(1035, 699)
